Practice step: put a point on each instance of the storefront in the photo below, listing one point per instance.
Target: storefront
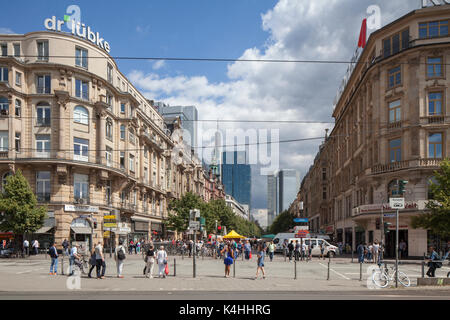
(121, 233)
(46, 234)
(157, 230)
(139, 229)
(81, 233)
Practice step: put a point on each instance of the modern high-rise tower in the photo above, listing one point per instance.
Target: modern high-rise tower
(236, 176)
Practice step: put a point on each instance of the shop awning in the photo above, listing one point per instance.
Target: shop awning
(81, 230)
(43, 230)
(140, 219)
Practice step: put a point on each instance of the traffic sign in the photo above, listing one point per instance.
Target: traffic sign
(194, 225)
(301, 220)
(389, 215)
(397, 203)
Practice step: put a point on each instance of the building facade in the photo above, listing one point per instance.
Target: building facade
(391, 123)
(238, 209)
(89, 143)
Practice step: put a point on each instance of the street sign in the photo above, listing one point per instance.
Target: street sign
(106, 234)
(389, 215)
(397, 203)
(301, 220)
(302, 234)
(194, 225)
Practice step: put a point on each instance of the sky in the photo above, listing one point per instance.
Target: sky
(234, 29)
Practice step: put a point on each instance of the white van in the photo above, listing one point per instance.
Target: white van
(279, 240)
(315, 242)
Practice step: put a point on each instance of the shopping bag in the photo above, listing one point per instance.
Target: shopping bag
(250, 255)
(166, 270)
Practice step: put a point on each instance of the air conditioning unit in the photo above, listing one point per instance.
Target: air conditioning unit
(80, 200)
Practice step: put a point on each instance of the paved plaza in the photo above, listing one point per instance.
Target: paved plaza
(29, 277)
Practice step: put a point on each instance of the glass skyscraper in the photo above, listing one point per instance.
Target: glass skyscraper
(236, 176)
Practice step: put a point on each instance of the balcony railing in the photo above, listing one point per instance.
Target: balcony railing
(43, 197)
(435, 119)
(406, 164)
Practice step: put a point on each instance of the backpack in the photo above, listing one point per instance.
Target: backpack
(121, 254)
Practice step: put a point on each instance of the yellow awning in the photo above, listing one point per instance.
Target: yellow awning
(233, 235)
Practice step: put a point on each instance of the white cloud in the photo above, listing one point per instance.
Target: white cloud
(158, 64)
(6, 31)
(307, 30)
(143, 29)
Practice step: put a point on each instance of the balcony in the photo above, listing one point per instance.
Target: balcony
(406, 164)
(4, 155)
(43, 197)
(436, 119)
(128, 206)
(394, 125)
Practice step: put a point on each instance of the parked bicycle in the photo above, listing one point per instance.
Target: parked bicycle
(385, 275)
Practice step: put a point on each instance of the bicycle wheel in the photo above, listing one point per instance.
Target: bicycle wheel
(403, 279)
(380, 279)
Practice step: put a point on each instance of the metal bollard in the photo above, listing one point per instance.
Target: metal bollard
(174, 267)
(295, 270)
(360, 271)
(328, 273)
(182, 254)
(423, 269)
(234, 268)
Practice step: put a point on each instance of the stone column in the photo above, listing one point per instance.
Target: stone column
(101, 142)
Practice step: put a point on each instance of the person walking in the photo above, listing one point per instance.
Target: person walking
(26, 248)
(291, 250)
(304, 257)
(100, 261)
(54, 256)
(271, 250)
(310, 247)
(65, 245)
(432, 264)
(297, 250)
(36, 247)
(119, 256)
(322, 250)
(402, 248)
(92, 262)
(72, 257)
(150, 256)
(247, 250)
(228, 253)
(376, 251)
(369, 253)
(161, 257)
(260, 260)
(360, 252)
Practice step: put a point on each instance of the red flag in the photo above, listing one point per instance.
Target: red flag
(362, 34)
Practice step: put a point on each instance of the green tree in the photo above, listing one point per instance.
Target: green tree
(438, 219)
(178, 217)
(20, 213)
(283, 222)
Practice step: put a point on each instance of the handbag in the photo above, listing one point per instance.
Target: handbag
(166, 269)
(250, 255)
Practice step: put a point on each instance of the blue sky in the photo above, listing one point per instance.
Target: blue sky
(173, 28)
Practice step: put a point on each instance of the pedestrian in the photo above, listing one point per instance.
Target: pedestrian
(260, 261)
(402, 247)
(74, 255)
(54, 256)
(297, 250)
(247, 250)
(285, 248)
(303, 250)
(432, 264)
(65, 245)
(130, 247)
(150, 261)
(370, 253)
(360, 252)
(271, 250)
(376, 251)
(138, 247)
(322, 250)
(92, 262)
(36, 247)
(228, 253)
(161, 257)
(340, 246)
(100, 261)
(310, 247)
(291, 250)
(119, 256)
(26, 247)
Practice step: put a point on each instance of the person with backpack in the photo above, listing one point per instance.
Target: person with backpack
(432, 263)
(119, 256)
(54, 255)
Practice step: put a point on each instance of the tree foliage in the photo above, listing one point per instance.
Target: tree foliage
(18, 204)
(215, 210)
(283, 222)
(438, 219)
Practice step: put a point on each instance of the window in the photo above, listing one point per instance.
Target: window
(43, 186)
(146, 152)
(80, 149)
(394, 77)
(18, 78)
(17, 142)
(134, 197)
(109, 101)
(43, 84)
(4, 74)
(131, 162)
(393, 189)
(109, 129)
(396, 43)
(131, 136)
(108, 192)
(42, 47)
(82, 89)
(4, 106)
(122, 132)
(43, 113)
(434, 67)
(122, 160)
(80, 115)
(16, 50)
(4, 49)
(122, 108)
(395, 111)
(395, 152)
(109, 73)
(431, 181)
(108, 155)
(81, 57)
(433, 29)
(43, 145)
(4, 141)
(324, 193)
(145, 175)
(435, 145)
(434, 103)
(324, 174)
(81, 186)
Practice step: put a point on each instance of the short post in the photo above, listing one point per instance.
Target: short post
(295, 269)
(423, 269)
(182, 254)
(352, 252)
(234, 268)
(285, 255)
(328, 273)
(62, 264)
(174, 267)
(242, 253)
(360, 271)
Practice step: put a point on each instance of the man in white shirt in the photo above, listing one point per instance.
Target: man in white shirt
(73, 255)
(376, 249)
(100, 261)
(36, 247)
(26, 247)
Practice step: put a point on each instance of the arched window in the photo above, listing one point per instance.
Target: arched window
(4, 177)
(109, 128)
(430, 181)
(81, 115)
(4, 106)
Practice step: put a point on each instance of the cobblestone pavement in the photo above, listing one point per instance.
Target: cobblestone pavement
(31, 275)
